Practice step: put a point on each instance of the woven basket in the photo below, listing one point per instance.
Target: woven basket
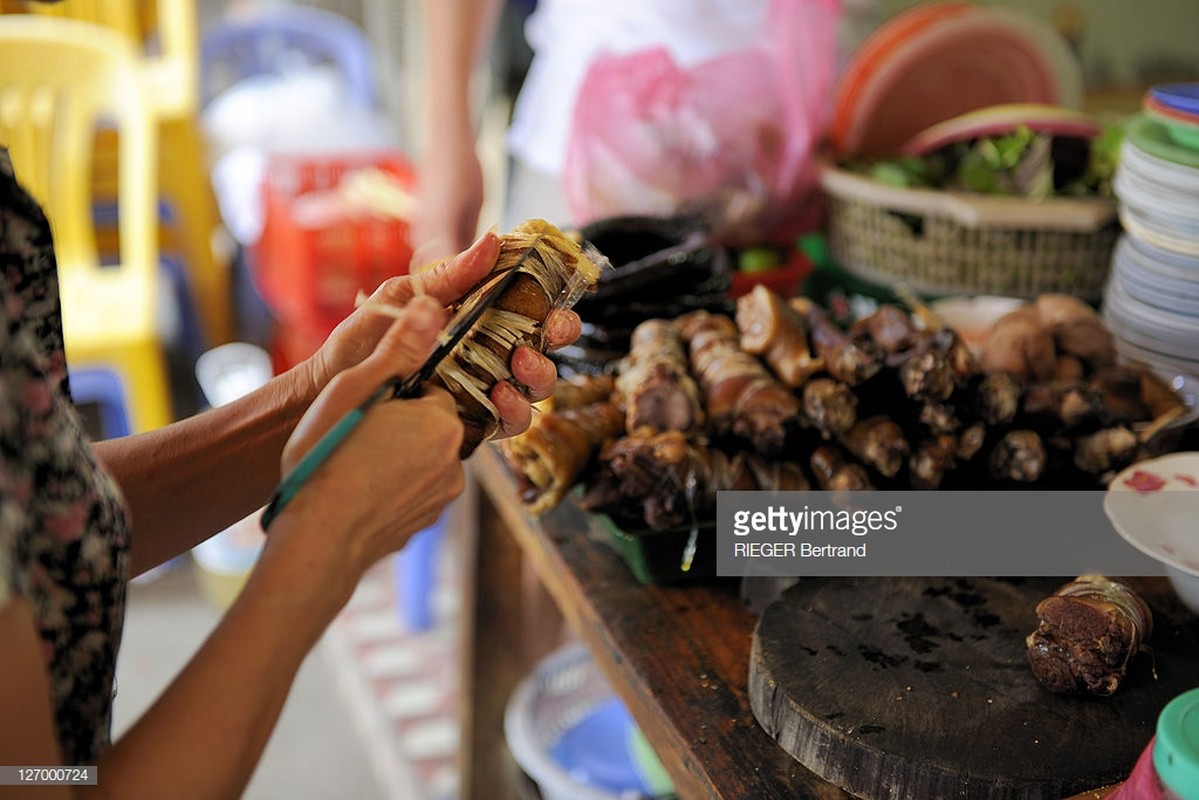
(952, 243)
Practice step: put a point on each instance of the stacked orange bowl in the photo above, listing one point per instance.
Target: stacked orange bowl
(939, 60)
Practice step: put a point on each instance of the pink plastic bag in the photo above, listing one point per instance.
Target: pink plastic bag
(731, 138)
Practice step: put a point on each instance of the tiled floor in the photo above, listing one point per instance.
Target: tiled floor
(404, 684)
(372, 714)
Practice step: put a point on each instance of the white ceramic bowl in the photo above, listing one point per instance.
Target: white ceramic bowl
(1154, 506)
(1186, 586)
(1155, 279)
(1165, 262)
(1146, 290)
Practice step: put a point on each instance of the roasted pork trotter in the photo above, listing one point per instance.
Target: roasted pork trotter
(1089, 631)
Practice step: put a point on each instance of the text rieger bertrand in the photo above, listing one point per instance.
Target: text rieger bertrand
(796, 550)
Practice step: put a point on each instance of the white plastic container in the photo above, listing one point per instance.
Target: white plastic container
(227, 372)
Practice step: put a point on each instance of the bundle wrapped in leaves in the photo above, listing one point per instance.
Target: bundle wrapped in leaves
(555, 273)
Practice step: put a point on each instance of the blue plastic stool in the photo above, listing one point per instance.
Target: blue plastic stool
(237, 48)
(416, 575)
(104, 389)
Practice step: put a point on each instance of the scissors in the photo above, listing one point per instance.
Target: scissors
(393, 388)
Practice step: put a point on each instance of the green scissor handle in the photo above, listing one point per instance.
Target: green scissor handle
(286, 491)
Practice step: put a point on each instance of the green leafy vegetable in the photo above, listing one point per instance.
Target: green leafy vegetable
(1021, 163)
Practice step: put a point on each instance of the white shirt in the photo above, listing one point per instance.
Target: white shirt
(566, 35)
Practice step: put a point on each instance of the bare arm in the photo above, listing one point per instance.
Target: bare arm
(25, 698)
(202, 738)
(185, 482)
(452, 188)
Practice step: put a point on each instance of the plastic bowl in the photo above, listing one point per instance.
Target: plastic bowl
(1150, 103)
(1147, 133)
(1179, 96)
(1175, 178)
(1183, 131)
(231, 370)
(569, 732)
(1003, 119)
(652, 773)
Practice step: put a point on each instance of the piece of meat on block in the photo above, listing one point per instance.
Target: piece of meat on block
(1089, 631)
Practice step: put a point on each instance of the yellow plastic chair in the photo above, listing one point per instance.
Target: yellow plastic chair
(167, 39)
(59, 79)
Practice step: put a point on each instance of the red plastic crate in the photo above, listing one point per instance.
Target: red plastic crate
(295, 340)
(314, 270)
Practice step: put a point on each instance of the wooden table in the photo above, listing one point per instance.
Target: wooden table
(677, 656)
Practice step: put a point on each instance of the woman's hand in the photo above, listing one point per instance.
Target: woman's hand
(396, 471)
(356, 337)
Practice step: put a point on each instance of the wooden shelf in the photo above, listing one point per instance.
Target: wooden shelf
(677, 656)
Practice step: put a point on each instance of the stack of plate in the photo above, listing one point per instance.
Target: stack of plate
(1152, 305)
(1151, 301)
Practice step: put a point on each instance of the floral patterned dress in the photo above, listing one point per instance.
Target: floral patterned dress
(64, 533)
